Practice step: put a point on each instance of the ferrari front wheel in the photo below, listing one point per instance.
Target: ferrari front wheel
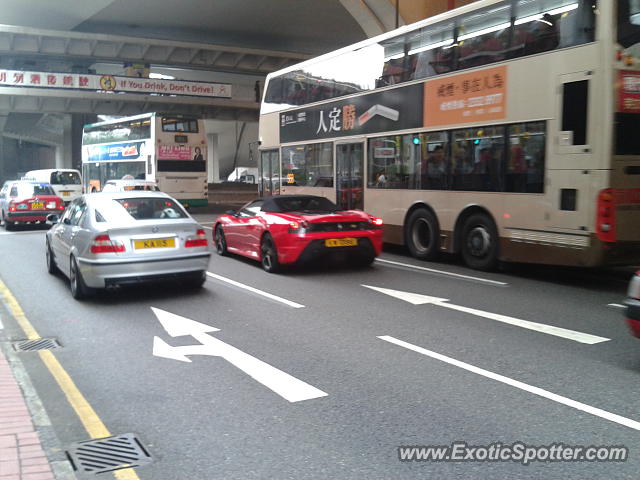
(269, 253)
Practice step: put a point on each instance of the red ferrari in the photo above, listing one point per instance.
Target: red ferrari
(287, 229)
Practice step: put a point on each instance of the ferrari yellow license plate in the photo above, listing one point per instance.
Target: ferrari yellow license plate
(155, 243)
(341, 242)
(37, 206)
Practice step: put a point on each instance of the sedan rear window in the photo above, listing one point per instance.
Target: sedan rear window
(26, 190)
(152, 208)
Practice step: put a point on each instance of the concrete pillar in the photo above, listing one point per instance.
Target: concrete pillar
(3, 165)
(79, 120)
(213, 160)
(64, 150)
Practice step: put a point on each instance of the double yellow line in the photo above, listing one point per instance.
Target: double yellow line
(87, 415)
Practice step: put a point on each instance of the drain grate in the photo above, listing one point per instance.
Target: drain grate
(37, 344)
(108, 454)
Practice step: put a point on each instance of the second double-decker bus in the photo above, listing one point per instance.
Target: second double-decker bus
(502, 130)
(170, 150)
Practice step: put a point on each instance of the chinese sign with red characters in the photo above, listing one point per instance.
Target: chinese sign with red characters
(110, 83)
(629, 92)
(180, 152)
(469, 97)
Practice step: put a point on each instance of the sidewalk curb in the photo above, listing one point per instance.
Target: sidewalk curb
(51, 445)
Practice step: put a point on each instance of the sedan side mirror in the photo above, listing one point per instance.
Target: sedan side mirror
(52, 219)
(233, 213)
(66, 221)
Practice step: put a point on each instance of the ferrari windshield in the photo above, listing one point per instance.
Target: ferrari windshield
(304, 204)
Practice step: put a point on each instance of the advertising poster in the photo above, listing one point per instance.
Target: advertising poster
(629, 92)
(479, 96)
(397, 109)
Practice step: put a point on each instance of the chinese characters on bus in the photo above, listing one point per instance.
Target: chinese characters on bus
(469, 97)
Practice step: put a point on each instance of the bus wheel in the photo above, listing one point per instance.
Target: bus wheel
(423, 234)
(480, 242)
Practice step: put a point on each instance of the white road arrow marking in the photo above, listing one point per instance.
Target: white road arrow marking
(285, 385)
(418, 299)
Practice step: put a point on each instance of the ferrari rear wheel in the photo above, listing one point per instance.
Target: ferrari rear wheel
(269, 252)
(221, 242)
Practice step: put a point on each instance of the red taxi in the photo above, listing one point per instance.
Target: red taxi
(287, 229)
(24, 202)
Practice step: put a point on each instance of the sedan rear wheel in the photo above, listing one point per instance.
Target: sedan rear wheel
(79, 289)
(51, 264)
(269, 252)
(221, 242)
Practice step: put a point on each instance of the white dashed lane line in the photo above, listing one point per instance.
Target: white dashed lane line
(391, 263)
(612, 417)
(251, 289)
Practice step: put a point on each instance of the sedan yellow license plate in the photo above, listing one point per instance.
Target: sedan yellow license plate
(155, 243)
(37, 206)
(341, 242)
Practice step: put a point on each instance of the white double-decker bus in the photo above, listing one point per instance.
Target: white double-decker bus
(170, 150)
(502, 130)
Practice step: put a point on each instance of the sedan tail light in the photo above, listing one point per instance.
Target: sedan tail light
(634, 287)
(104, 244)
(197, 240)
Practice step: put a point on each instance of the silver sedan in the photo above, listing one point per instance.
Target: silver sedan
(106, 239)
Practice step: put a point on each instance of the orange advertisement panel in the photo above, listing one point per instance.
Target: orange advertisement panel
(470, 97)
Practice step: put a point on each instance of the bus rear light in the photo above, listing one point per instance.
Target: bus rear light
(198, 240)
(606, 216)
(104, 244)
